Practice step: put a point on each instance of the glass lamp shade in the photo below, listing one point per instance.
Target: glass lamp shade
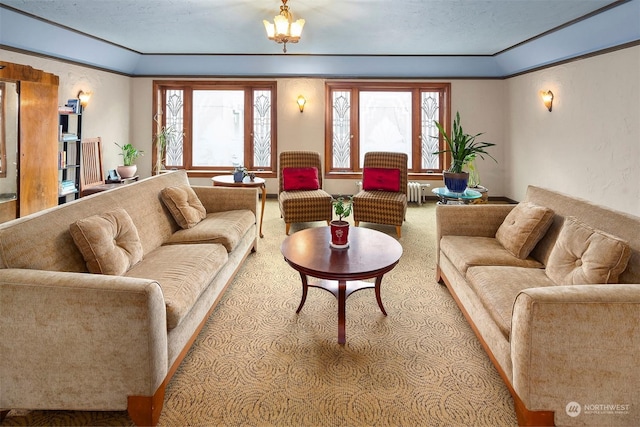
(271, 29)
(282, 25)
(282, 28)
(296, 28)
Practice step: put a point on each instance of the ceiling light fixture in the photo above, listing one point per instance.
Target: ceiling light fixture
(283, 29)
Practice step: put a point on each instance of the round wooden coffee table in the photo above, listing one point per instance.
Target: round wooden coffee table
(370, 254)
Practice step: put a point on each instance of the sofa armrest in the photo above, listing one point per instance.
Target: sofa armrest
(470, 220)
(578, 344)
(79, 340)
(220, 199)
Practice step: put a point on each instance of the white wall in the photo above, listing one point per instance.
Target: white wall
(589, 145)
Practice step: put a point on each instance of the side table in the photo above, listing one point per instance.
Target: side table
(447, 197)
(227, 181)
(122, 180)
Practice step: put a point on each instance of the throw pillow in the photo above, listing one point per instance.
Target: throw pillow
(300, 179)
(184, 205)
(385, 179)
(109, 243)
(585, 255)
(523, 228)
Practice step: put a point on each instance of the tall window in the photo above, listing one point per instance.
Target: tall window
(381, 116)
(217, 125)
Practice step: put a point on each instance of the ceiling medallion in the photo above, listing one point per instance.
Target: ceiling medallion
(283, 29)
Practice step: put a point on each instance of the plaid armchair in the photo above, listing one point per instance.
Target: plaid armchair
(382, 206)
(302, 205)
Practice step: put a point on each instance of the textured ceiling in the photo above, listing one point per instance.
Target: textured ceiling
(345, 27)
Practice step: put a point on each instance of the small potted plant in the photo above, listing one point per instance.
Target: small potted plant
(463, 149)
(129, 156)
(342, 206)
(239, 172)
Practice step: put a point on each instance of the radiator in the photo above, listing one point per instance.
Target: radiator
(416, 191)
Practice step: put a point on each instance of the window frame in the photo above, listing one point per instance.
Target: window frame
(3, 125)
(416, 172)
(188, 86)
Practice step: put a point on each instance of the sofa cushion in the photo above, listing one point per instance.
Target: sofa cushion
(226, 228)
(300, 179)
(109, 242)
(384, 179)
(470, 251)
(183, 272)
(184, 205)
(584, 255)
(523, 228)
(498, 287)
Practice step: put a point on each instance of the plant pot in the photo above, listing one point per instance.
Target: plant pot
(127, 171)
(238, 176)
(339, 234)
(456, 182)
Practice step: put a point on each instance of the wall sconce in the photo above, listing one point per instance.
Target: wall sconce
(547, 99)
(301, 101)
(84, 98)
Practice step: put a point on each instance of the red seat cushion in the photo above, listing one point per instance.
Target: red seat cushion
(386, 179)
(300, 179)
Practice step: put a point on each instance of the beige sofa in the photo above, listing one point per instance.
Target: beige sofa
(569, 354)
(70, 339)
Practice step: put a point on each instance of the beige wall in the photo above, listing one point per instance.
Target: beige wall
(480, 103)
(108, 114)
(589, 145)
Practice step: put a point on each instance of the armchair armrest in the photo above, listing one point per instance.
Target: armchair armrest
(220, 199)
(79, 340)
(578, 344)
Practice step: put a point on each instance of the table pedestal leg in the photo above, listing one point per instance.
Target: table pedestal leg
(264, 199)
(341, 289)
(378, 297)
(305, 288)
(342, 302)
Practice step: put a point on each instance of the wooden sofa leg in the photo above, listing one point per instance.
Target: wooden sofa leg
(439, 275)
(531, 418)
(146, 410)
(287, 226)
(399, 230)
(357, 223)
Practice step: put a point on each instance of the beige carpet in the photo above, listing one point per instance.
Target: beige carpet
(257, 363)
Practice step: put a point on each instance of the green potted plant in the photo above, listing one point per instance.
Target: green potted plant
(164, 135)
(342, 207)
(463, 149)
(129, 156)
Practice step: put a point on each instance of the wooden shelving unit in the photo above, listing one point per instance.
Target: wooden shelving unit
(69, 147)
